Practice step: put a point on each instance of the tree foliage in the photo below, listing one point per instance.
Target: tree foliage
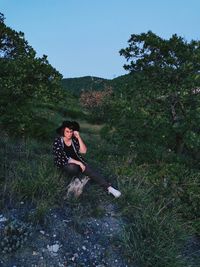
(159, 110)
(24, 80)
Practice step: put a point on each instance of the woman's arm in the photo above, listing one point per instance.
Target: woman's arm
(82, 166)
(83, 148)
(60, 157)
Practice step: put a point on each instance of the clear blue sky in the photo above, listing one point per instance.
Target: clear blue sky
(83, 37)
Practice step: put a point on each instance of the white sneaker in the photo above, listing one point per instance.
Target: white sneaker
(116, 193)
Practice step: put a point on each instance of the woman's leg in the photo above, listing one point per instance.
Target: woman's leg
(72, 169)
(96, 176)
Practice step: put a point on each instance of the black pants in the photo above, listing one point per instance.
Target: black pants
(73, 169)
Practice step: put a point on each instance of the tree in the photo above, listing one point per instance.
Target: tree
(160, 109)
(24, 80)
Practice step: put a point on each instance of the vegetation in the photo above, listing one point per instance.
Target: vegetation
(149, 139)
(27, 84)
(82, 84)
(160, 110)
(153, 121)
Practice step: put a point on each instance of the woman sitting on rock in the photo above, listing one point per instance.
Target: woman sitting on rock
(67, 149)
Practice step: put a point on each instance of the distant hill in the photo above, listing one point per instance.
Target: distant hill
(87, 83)
(122, 81)
(91, 83)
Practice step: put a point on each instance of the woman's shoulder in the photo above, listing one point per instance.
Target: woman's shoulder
(57, 140)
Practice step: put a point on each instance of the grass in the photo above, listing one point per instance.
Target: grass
(157, 225)
(90, 129)
(155, 201)
(27, 173)
(154, 233)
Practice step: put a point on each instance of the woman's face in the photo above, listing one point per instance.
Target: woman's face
(68, 133)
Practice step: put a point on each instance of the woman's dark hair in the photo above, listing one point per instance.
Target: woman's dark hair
(73, 125)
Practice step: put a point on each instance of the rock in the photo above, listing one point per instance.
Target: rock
(42, 232)
(54, 248)
(74, 257)
(2, 218)
(76, 187)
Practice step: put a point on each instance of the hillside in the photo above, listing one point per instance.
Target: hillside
(76, 85)
(90, 83)
(44, 228)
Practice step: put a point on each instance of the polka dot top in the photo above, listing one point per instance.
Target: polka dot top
(59, 154)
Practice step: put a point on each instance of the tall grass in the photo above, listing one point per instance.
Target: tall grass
(156, 226)
(28, 174)
(154, 233)
(159, 203)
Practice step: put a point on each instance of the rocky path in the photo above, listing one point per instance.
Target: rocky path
(68, 238)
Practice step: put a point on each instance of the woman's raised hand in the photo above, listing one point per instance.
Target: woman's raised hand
(76, 134)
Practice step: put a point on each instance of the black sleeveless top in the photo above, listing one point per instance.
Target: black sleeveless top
(70, 152)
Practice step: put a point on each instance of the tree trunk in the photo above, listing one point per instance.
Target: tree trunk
(75, 188)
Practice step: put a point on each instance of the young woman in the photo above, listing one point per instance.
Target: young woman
(67, 149)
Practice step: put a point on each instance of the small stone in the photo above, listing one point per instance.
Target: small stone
(54, 248)
(74, 257)
(2, 218)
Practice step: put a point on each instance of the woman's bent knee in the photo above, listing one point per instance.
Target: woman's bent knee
(72, 169)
